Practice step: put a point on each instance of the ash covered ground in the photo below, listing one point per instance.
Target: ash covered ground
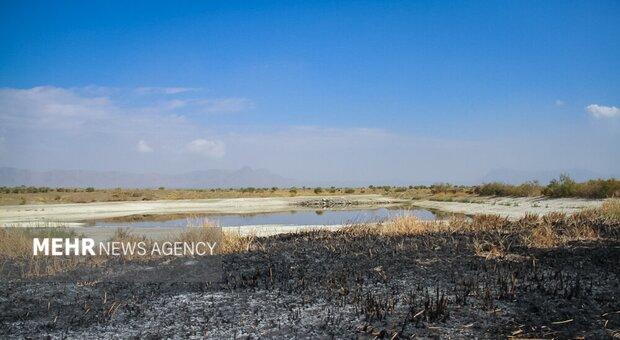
(345, 285)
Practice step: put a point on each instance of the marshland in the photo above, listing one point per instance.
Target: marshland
(542, 267)
(309, 169)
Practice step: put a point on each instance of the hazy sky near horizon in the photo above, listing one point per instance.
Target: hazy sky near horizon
(344, 91)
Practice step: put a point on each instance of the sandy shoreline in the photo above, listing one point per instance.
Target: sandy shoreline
(512, 207)
(72, 213)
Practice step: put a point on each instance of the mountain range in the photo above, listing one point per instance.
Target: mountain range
(243, 177)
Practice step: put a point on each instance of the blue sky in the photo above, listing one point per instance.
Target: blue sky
(347, 91)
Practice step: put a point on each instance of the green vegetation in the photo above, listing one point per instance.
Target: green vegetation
(502, 189)
(440, 188)
(597, 188)
(564, 186)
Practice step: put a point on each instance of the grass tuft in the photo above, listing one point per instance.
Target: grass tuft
(611, 208)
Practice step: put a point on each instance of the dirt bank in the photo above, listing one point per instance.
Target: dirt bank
(29, 214)
(511, 207)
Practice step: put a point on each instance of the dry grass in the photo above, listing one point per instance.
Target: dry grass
(202, 229)
(198, 230)
(486, 222)
(490, 235)
(16, 252)
(611, 208)
(14, 243)
(409, 225)
(17, 242)
(492, 244)
(52, 196)
(544, 236)
(117, 195)
(401, 225)
(495, 236)
(235, 243)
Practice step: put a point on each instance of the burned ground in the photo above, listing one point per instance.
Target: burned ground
(347, 284)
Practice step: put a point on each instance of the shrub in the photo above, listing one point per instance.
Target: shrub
(596, 188)
(562, 187)
(318, 190)
(90, 189)
(502, 189)
(599, 188)
(439, 188)
(349, 191)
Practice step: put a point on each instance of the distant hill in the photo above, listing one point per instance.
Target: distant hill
(511, 176)
(244, 177)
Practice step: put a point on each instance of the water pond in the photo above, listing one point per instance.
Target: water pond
(289, 218)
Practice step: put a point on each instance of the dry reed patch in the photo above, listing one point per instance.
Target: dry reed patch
(402, 225)
(205, 230)
(581, 232)
(611, 208)
(18, 260)
(457, 222)
(484, 222)
(126, 237)
(17, 242)
(493, 243)
(492, 247)
(234, 243)
(529, 220)
(554, 218)
(543, 236)
(556, 229)
(409, 225)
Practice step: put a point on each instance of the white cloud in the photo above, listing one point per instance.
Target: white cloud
(224, 105)
(600, 111)
(143, 147)
(164, 90)
(559, 102)
(51, 107)
(88, 109)
(209, 148)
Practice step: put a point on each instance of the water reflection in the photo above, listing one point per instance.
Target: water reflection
(299, 217)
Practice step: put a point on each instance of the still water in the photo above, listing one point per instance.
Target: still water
(292, 218)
